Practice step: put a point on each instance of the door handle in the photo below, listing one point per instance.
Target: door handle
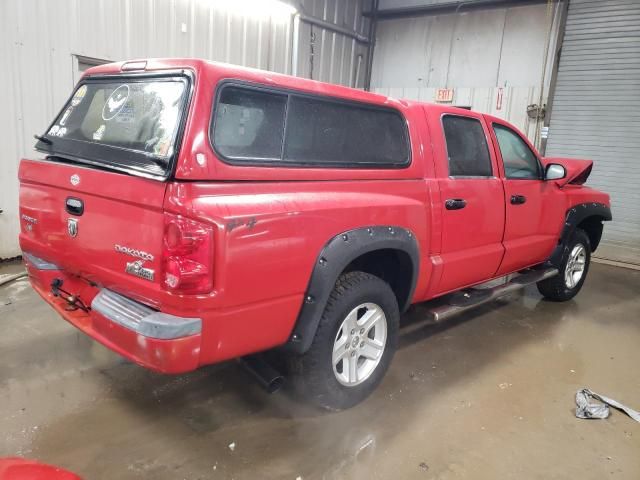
(518, 199)
(75, 206)
(455, 204)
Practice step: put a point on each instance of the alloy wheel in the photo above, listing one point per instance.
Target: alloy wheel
(574, 269)
(359, 344)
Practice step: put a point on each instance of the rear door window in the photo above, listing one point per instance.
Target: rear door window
(467, 148)
(128, 123)
(259, 126)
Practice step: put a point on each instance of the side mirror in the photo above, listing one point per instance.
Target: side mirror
(555, 171)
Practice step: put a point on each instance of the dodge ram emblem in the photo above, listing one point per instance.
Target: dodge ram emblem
(72, 227)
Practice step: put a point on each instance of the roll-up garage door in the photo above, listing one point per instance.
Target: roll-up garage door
(596, 111)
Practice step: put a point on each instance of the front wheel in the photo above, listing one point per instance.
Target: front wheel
(573, 270)
(354, 343)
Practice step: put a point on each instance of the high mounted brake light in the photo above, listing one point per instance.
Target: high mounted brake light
(134, 66)
(187, 256)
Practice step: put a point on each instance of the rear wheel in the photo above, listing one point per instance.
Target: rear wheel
(573, 270)
(354, 343)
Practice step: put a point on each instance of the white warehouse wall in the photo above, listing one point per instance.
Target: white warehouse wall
(39, 40)
(475, 53)
(399, 4)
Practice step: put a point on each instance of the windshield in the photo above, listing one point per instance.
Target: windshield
(125, 123)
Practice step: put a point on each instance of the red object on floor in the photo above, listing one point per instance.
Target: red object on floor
(22, 469)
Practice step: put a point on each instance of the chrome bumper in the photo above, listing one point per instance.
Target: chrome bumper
(142, 319)
(131, 314)
(38, 263)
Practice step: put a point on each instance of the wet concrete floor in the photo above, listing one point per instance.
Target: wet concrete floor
(489, 395)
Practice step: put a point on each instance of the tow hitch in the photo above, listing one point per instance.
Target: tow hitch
(73, 301)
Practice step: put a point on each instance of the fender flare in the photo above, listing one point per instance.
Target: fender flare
(575, 215)
(336, 255)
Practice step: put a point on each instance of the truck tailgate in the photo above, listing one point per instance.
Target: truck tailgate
(121, 223)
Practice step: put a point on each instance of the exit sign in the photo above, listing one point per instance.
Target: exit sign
(444, 95)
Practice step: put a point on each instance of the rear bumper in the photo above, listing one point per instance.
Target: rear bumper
(157, 341)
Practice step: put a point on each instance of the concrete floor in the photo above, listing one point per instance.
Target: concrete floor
(487, 396)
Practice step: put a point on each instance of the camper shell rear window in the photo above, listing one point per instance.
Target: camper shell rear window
(262, 126)
(130, 123)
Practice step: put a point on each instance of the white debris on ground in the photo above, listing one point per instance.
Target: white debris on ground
(232, 446)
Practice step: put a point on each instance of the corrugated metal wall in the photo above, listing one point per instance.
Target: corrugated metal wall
(399, 4)
(595, 112)
(329, 56)
(39, 38)
(475, 53)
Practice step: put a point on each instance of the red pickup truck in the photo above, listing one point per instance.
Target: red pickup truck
(189, 212)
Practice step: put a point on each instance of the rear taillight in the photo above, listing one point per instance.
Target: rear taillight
(187, 255)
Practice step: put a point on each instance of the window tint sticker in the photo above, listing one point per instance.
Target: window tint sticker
(126, 113)
(115, 102)
(57, 131)
(99, 133)
(65, 116)
(79, 96)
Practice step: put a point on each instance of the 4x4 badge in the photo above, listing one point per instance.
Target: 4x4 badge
(72, 227)
(136, 268)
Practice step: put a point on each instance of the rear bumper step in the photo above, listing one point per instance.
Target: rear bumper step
(130, 329)
(131, 314)
(461, 301)
(142, 319)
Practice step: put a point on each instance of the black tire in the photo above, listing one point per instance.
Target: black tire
(556, 288)
(314, 371)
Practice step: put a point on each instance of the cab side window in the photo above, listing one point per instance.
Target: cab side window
(467, 149)
(519, 161)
